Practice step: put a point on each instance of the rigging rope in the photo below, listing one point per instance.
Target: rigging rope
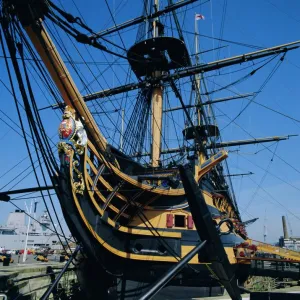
(32, 124)
(54, 231)
(260, 89)
(262, 179)
(272, 174)
(248, 133)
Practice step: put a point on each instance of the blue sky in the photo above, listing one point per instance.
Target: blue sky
(274, 189)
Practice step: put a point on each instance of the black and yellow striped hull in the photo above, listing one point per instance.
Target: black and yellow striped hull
(134, 242)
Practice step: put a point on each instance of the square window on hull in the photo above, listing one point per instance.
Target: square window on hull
(180, 221)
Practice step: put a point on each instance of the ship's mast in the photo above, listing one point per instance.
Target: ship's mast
(157, 107)
(200, 154)
(198, 100)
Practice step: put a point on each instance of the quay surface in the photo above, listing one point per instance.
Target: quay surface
(15, 279)
(11, 282)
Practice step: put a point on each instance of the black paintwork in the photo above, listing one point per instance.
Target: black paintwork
(104, 264)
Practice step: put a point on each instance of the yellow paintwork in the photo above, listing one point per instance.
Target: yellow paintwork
(102, 198)
(104, 243)
(287, 254)
(215, 159)
(223, 205)
(157, 218)
(229, 251)
(124, 228)
(119, 253)
(103, 181)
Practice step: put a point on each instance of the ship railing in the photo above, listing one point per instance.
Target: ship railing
(273, 264)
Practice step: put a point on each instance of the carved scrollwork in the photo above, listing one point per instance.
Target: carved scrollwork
(73, 139)
(79, 184)
(66, 150)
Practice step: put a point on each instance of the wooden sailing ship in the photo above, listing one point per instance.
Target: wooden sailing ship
(133, 220)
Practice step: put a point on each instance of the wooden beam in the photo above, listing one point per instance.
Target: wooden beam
(157, 105)
(63, 80)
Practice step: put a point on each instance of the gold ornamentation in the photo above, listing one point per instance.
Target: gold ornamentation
(79, 185)
(69, 112)
(64, 148)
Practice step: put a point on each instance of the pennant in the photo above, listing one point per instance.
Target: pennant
(199, 17)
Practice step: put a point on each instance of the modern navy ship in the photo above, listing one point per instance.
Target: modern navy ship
(13, 234)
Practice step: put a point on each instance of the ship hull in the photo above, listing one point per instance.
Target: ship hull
(110, 251)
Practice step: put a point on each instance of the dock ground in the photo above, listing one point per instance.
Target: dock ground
(15, 279)
(175, 293)
(18, 259)
(289, 290)
(32, 267)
